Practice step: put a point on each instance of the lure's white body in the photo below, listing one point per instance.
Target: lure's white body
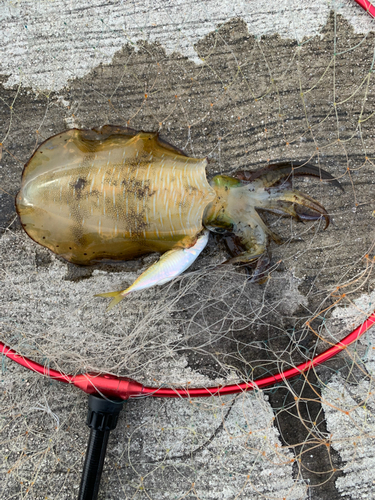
(169, 266)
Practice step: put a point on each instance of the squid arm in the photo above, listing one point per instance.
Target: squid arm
(276, 172)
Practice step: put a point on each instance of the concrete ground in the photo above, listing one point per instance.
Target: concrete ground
(242, 84)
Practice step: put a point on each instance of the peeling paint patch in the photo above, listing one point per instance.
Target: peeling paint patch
(350, 416)
(232, 439)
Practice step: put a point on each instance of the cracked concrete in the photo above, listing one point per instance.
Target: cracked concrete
(241, 85)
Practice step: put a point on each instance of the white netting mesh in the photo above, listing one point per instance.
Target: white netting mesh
(250, 100)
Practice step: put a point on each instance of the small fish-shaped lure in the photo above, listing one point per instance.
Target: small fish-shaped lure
(169, 266)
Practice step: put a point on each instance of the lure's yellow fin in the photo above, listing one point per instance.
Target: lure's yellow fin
(117, 297)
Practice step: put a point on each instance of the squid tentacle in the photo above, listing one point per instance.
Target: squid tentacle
(279, 207)
(253, 238)
(298, 198)
(276, 172)
(269, 189)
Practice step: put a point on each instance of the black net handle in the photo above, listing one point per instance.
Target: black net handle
(102, 419)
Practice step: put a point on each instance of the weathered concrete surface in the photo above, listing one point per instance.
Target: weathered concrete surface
(217, 91)
(349, 407)
(44, 50)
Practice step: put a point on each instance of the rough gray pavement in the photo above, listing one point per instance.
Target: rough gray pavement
(242, 84)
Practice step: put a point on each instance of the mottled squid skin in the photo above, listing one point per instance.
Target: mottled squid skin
(115, 194)
(112, 194)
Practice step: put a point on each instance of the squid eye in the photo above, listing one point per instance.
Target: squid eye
(221, 230)
(224, 228)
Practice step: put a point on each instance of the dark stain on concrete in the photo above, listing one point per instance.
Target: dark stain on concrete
(315, 460)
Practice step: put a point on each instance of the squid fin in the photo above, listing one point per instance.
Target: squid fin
(117, 297)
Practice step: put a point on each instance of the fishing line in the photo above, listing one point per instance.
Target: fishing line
(107, 391)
